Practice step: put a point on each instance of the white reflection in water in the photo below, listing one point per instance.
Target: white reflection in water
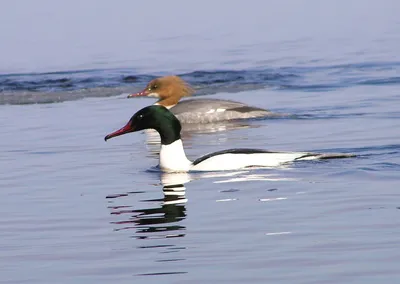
(255, 177)
(161, 215)
(154, 223)
(272, 199)
(278, 233)
(226, 199)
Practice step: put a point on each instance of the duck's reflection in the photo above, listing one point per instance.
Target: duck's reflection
(160, 226)
(163, 218)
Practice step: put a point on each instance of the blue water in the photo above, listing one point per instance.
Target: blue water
(78, 210)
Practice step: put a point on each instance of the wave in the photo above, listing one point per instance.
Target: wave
(32, 88)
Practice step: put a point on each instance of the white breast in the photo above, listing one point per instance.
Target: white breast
(173, 158)
(168, 107)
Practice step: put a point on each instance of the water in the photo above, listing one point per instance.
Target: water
(78, 210)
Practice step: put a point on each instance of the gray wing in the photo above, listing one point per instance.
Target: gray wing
(189, 111)
(204, 105)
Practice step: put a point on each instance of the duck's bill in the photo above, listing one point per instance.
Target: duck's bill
(139, 94)
(126, 129)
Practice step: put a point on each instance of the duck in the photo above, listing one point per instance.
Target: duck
(170, 89)
(172, 157)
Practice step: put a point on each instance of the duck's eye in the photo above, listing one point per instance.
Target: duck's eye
(151, 88)
(140, 116)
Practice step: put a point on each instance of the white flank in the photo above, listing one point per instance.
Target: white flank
(173, 159)
(221, 109)
(239, 161)
(210, 111)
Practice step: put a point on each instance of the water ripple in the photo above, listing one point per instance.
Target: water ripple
(30, 88)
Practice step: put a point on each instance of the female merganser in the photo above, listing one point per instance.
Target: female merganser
(173, 158)
(170, 89)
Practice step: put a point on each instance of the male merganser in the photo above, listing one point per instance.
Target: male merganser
(173, 158)
(170, 89)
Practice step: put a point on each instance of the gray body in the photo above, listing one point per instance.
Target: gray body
(214, 110)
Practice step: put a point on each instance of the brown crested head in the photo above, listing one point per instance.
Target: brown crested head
(168, 90)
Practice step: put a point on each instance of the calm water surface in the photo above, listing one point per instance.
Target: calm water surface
(78, 210)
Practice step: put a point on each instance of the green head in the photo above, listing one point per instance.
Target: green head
(152, 117)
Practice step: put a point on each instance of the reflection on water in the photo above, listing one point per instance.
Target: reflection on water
(256, 177)
(162, 218)
(160, 221)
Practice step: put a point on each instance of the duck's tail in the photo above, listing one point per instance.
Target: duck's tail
(325, 156)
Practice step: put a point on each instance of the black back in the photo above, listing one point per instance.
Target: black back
(231, 151)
